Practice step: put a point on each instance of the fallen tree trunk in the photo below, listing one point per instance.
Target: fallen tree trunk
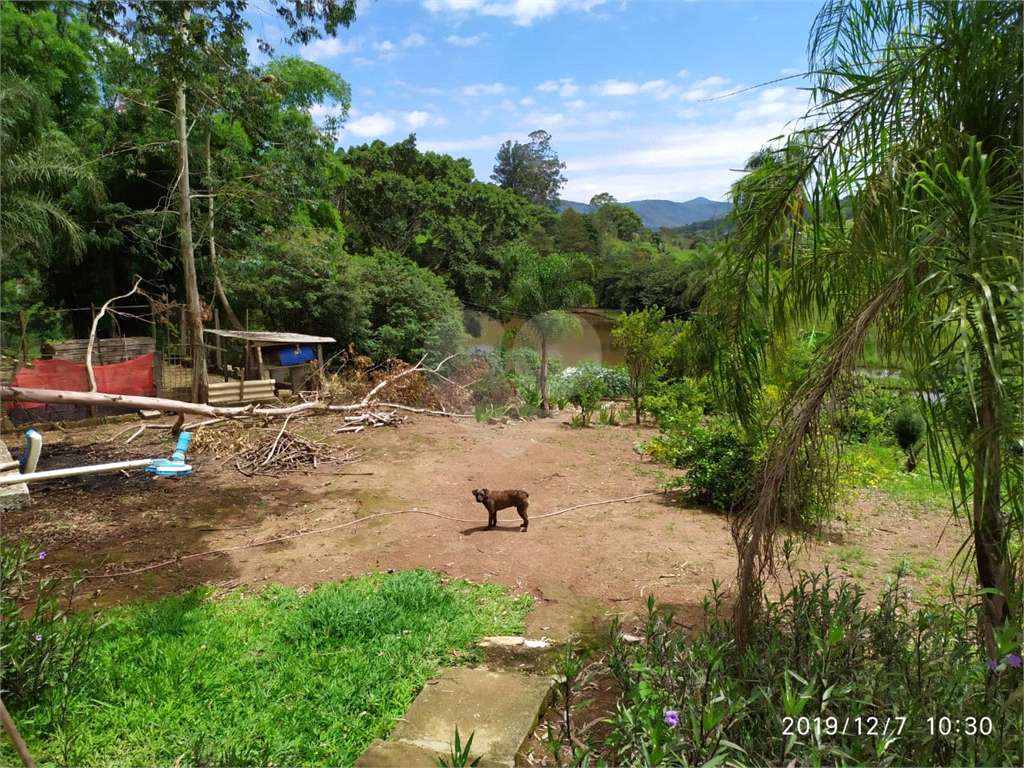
(50, 396)
(57, 396)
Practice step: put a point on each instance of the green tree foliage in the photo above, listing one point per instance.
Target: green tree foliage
(301, 280)
(636, 277)
(46, 85)
(901, 207)
(532, 170)
(573, 235)
(641, 338)
(542, 289)
(427, 207)
(412, 311)
(622, 221)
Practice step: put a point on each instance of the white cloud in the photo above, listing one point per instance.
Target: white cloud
(521, 12)
(415, 40)
(566, 87)
(415, 119)
(660, 89)
(372, 125)
(545, 120)
(683, 73)
(527, 102)
(467, 42)
(577, 104)
(708, 82)
(790, 71)
(387, 45)
(320, 50)
(617, 88)
(491, 90)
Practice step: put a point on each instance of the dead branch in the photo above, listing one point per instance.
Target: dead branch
(92, 333)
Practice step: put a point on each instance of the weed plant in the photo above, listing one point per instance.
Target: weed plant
(825, 680)
(43, 649)
(265, 678)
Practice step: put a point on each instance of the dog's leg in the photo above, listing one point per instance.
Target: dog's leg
(521, 509)
(492, 517)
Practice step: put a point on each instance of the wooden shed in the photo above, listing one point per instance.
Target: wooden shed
(282, 357)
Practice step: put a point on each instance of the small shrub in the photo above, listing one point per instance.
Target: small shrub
(720, 461)
(483, 412)
(45, 650)
(908, 428)
(588, 389)
(818, 657)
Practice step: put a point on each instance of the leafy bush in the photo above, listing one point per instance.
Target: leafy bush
(720, 460)
(907, 427)
(614, 379)
(821, 668)
(867, 410)
(672, 402)
(587, 389)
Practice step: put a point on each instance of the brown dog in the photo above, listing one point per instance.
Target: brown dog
(495, 500)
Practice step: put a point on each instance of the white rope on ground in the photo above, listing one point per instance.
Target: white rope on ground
(353, 522)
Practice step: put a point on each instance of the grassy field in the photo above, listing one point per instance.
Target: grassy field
(268, 678)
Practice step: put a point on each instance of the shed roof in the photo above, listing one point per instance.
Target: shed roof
(271, 337)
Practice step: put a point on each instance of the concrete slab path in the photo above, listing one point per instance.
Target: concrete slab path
(499, 709)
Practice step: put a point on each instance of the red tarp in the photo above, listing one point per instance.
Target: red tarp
(134, 377)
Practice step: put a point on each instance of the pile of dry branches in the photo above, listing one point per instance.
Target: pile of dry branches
(289, 453)
(380, 419)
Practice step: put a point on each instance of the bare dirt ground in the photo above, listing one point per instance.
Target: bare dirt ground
(583, 566)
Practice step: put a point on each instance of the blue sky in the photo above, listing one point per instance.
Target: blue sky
(622, 86)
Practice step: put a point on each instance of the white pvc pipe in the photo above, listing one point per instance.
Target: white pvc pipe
(73, 471)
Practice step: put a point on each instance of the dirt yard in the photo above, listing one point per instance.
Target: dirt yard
(583, 566)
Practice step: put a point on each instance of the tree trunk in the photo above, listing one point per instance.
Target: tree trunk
(989, 541)
(545, 408)
(233, 322)
(636, 404)
(194, 313)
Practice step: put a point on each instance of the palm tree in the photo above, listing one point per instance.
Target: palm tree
(38, 164)
(542, 289)
(902, 213)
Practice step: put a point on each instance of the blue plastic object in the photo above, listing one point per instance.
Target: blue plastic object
(174, 466)
(301, 354)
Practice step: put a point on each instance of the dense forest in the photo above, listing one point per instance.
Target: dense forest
(372, 245)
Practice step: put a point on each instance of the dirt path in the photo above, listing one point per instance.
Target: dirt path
(583, 566)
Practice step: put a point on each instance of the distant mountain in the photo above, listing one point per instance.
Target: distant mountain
(665, 213)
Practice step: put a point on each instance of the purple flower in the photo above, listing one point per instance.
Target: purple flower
(38, 638)
(672, 718)
(1013, 660)
(992, 664)
(42, 555)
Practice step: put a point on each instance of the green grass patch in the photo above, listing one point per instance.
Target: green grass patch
(270, 678)
(880, 467)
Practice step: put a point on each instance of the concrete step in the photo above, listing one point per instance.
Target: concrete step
(499, 709)
(15, 495)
